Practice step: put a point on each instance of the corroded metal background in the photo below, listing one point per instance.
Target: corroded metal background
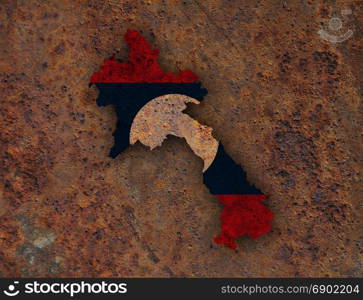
(286, 105)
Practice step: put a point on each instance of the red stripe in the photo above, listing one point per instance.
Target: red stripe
(243, 215)
(142, 66)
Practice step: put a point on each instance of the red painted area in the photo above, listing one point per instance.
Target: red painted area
(243, 214)
(142, 66)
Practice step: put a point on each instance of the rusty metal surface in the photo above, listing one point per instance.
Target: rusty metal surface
(286, 104)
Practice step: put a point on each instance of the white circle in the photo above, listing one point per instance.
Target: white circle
(96, 288)
(113, 288)
(11, 287)
(335, 24)
(45, 288)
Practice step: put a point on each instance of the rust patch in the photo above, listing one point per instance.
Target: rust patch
(164, 116)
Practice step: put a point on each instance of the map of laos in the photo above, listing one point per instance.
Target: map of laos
(150, 105)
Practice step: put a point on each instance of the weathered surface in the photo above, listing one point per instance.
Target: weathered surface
(164, 116)
(286, 105)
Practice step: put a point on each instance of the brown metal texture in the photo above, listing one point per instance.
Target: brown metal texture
(286, 104)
